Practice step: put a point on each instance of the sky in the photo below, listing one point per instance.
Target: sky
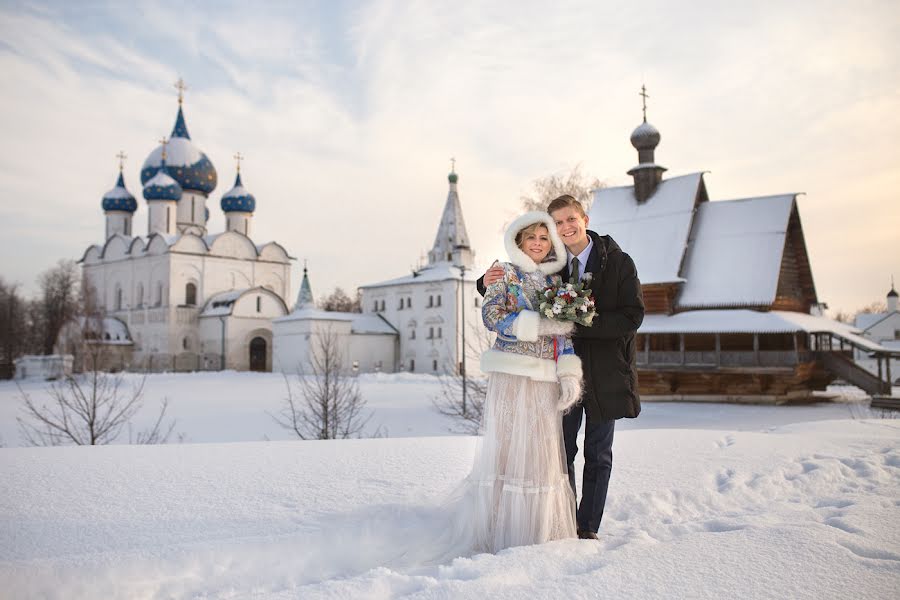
(347, 114)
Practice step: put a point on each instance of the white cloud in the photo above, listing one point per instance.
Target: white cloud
(348, 119)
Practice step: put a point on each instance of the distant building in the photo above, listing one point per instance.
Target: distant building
(432, 307)
(731, 307)
(186, 298)
(366, 343)
(884, 329)
(413, 323)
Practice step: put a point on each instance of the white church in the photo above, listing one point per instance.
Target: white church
(418, 323)
(183, 298)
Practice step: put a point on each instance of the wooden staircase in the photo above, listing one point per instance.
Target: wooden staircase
(843, 366)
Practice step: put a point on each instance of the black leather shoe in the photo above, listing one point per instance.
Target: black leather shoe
(587, 535)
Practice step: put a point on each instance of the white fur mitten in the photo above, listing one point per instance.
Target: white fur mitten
(568, 369)
(550, 327)
(569, 392)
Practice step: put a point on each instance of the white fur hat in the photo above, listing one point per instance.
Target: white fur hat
(555, 261)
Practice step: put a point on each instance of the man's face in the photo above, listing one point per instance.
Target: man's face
(571, 226)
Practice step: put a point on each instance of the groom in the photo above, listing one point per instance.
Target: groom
(606, 349)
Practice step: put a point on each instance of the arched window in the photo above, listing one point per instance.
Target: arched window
(139, 296)
(118, 298)
(259, 304)
(185, 344)
(190, 294)
(159, 294)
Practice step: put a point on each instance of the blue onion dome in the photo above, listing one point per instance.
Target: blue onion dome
(238, 199)
(645, 137)
(190, 167)
(119, 198)
(161, 186)
(453, 177)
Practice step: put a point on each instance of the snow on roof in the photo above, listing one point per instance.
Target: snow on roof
(114, 330)
(180, 152)
(371, 323)
(866, 321)
(735, 251)
(751, 321)
(359, 322)
(222, 304)
(654, 233)
(436, 272)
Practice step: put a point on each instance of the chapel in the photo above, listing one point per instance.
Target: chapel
(731, 306)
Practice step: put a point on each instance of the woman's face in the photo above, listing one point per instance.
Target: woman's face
(536, 244)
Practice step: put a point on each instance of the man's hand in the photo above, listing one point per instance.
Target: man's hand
(493, 275)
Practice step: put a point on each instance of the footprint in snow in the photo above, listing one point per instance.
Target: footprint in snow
(725, 442)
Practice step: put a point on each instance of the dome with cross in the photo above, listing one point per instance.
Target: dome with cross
(187, 164)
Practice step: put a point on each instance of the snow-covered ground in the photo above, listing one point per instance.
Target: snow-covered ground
(706, 501)
(237, 407)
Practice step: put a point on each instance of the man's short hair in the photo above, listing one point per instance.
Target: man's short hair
(566, 201)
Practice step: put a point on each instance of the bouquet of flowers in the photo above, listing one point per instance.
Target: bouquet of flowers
(569, 302)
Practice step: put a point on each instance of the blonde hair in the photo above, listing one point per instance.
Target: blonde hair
(565, 201)
(520, 237)
(524, 232)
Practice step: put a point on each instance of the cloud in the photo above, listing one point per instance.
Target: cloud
(348, 117)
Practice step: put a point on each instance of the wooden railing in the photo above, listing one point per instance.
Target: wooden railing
(725, 358)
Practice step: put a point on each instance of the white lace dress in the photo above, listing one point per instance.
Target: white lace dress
(519, 486)
(518, 492)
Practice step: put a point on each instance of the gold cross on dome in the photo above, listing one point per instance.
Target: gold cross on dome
(164, 142)
(644, 95)
(238, 157)
(181, 86)
(121, 156)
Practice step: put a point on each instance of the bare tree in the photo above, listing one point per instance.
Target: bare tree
(879, 306)
(339, 301)
(13, 326)
(574, 183)
(449, 401)
(93, 407)
(58, 301)
(325, 403)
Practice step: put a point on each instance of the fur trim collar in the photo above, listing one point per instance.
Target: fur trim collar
(552, 263)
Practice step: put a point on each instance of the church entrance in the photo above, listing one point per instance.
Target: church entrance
(257, 354)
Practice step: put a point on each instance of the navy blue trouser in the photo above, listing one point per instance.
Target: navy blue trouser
(598, 441)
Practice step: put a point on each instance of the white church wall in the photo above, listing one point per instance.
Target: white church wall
(258, 305)
(373, 352)
(437, 338)
(295, 342)
(291, 339)
(191, 210)
(233, 245)
(162, 217)
(116, 248)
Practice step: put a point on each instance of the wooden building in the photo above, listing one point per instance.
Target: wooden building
(732, 311)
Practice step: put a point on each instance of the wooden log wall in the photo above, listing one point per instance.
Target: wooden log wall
(659, 298)
(796, 290)
(804, 378)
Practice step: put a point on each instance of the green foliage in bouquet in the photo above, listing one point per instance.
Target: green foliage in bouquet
(569, 302)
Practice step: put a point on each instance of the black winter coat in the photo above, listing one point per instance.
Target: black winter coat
(607, 347)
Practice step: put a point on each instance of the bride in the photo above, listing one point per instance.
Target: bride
(519, 489)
